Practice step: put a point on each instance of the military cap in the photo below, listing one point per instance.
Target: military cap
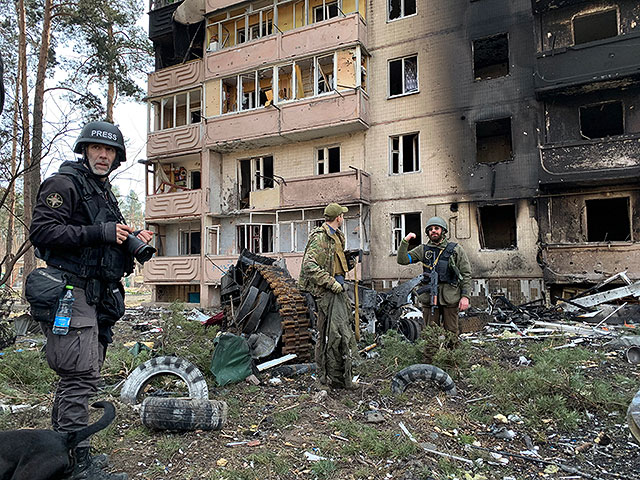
(334, 210)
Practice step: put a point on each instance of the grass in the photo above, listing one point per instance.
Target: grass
(376, 443)
(25, 377)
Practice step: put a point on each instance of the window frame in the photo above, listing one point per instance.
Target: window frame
(402, 15)
(325, 151)
(160, 102)
(208, 245)
(404, 89)
(249, 241)
(401, 229)
(401, 154)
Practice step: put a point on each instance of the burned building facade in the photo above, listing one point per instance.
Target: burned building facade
(486, 113)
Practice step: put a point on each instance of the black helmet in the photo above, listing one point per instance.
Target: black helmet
(105, 133)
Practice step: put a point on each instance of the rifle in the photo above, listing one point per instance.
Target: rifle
(430, 286)
(355, 255)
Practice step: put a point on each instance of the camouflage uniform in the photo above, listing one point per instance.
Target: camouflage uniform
(323, 259)
(446, 313)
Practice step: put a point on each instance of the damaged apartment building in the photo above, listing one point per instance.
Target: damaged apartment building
(514, 120)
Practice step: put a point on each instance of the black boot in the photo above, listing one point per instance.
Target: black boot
(87, 466)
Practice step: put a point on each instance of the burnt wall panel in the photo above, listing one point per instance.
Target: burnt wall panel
(558, 21)
(566, 220)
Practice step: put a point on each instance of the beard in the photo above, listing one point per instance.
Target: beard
(435, 238)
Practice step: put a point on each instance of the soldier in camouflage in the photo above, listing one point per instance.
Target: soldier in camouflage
(454, 274)
(324, 266)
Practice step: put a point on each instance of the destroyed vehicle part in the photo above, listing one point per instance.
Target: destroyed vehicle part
(410, 328)
(422, 371)
(633, 416)
(261, 345)
(252, 320)
(293, 370)
(134, 385)
(183, 414)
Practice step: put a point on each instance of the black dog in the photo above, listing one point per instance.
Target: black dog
(45, 454)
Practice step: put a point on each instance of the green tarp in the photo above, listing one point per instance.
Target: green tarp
(231, 361)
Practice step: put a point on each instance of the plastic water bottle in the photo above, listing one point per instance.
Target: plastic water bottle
(63, 315)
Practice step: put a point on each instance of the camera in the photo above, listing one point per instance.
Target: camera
(140, 250)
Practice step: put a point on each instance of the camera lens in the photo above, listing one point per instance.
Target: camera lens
(140, 250)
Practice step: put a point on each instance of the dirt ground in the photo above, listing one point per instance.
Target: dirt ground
(281, 422)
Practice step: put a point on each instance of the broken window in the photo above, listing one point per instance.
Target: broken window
(255, 238)
(401, 8)
(497, 227)
(325, 74)
(189, 242)
(304, 78)
(363, 72)
(328, 160)
(213, 240)
(301, 235)
(491, 57)
(608, 220)
(403, 224)
(195, 180)
(284, 82)
(602, 120)
(404, 154)
(229, 94)
(403, 76)
(265, 87)
(595, 26)
(325, 11)
(255, 174)
(248, 91)
(493, 141)
(176, 110)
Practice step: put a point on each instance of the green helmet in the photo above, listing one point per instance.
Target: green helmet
(105, 133)
(438, 222)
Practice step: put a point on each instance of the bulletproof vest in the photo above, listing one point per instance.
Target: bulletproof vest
(106, 262)
(432, 254)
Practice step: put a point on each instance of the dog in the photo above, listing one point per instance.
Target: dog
(45, 454)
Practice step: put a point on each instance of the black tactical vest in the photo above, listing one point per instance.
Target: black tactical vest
(105, 262)
(445, 275)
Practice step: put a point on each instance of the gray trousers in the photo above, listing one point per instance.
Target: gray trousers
(77, 358)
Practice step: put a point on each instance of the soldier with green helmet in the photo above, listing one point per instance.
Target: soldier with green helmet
(453, 269)
(324, 266)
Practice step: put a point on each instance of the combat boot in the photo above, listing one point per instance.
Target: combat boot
(85, 464)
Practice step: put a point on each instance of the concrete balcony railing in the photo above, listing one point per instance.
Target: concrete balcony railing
(540, 6)
(211, 274)
(315, 117)
(591, 262)
(305, 41)
(174, 140)
(591, 162)
(603, 63)
(178, 77)
(185, 269)
(344, 187)
(174, 205)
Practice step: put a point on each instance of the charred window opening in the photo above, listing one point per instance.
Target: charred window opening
(403, 76)
(404, 153)
(608, 220)
(328, 160)
(491, 57)
(403, 224)
(493, 141)
(602, 120)
(255, 238)
(185, 43)
(401, 8)
(498, 227)
(189, 242)
(595, 26)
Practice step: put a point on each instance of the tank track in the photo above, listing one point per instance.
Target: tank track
(292, 307)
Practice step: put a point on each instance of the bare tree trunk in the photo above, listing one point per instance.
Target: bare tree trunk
(29, 260)
(11, 197)
(111, 88)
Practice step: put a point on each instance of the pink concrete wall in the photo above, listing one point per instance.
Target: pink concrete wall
(172, 269)
(177, 77)
(343, 187)
(304, 41)
(174, 140)
(172, 205)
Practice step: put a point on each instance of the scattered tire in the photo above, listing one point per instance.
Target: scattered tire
(422, 371)
(253, 318)
(633, 416)
(410, 328)
(183, 414)
(160, 366)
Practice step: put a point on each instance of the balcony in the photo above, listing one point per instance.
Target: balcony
(185, 269)
(173, 205)
(591, 162)
(186, 75)
(319, 190)
(590, 263)
(609, 63)
(161, 18)
(540, 6)
(300, 120)
(305, 41)
(174, 140)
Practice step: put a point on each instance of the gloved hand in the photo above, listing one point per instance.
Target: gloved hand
(336, 287)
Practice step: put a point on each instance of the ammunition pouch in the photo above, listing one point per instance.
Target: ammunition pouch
(116, 263)
(44, 288)
(110, 308)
